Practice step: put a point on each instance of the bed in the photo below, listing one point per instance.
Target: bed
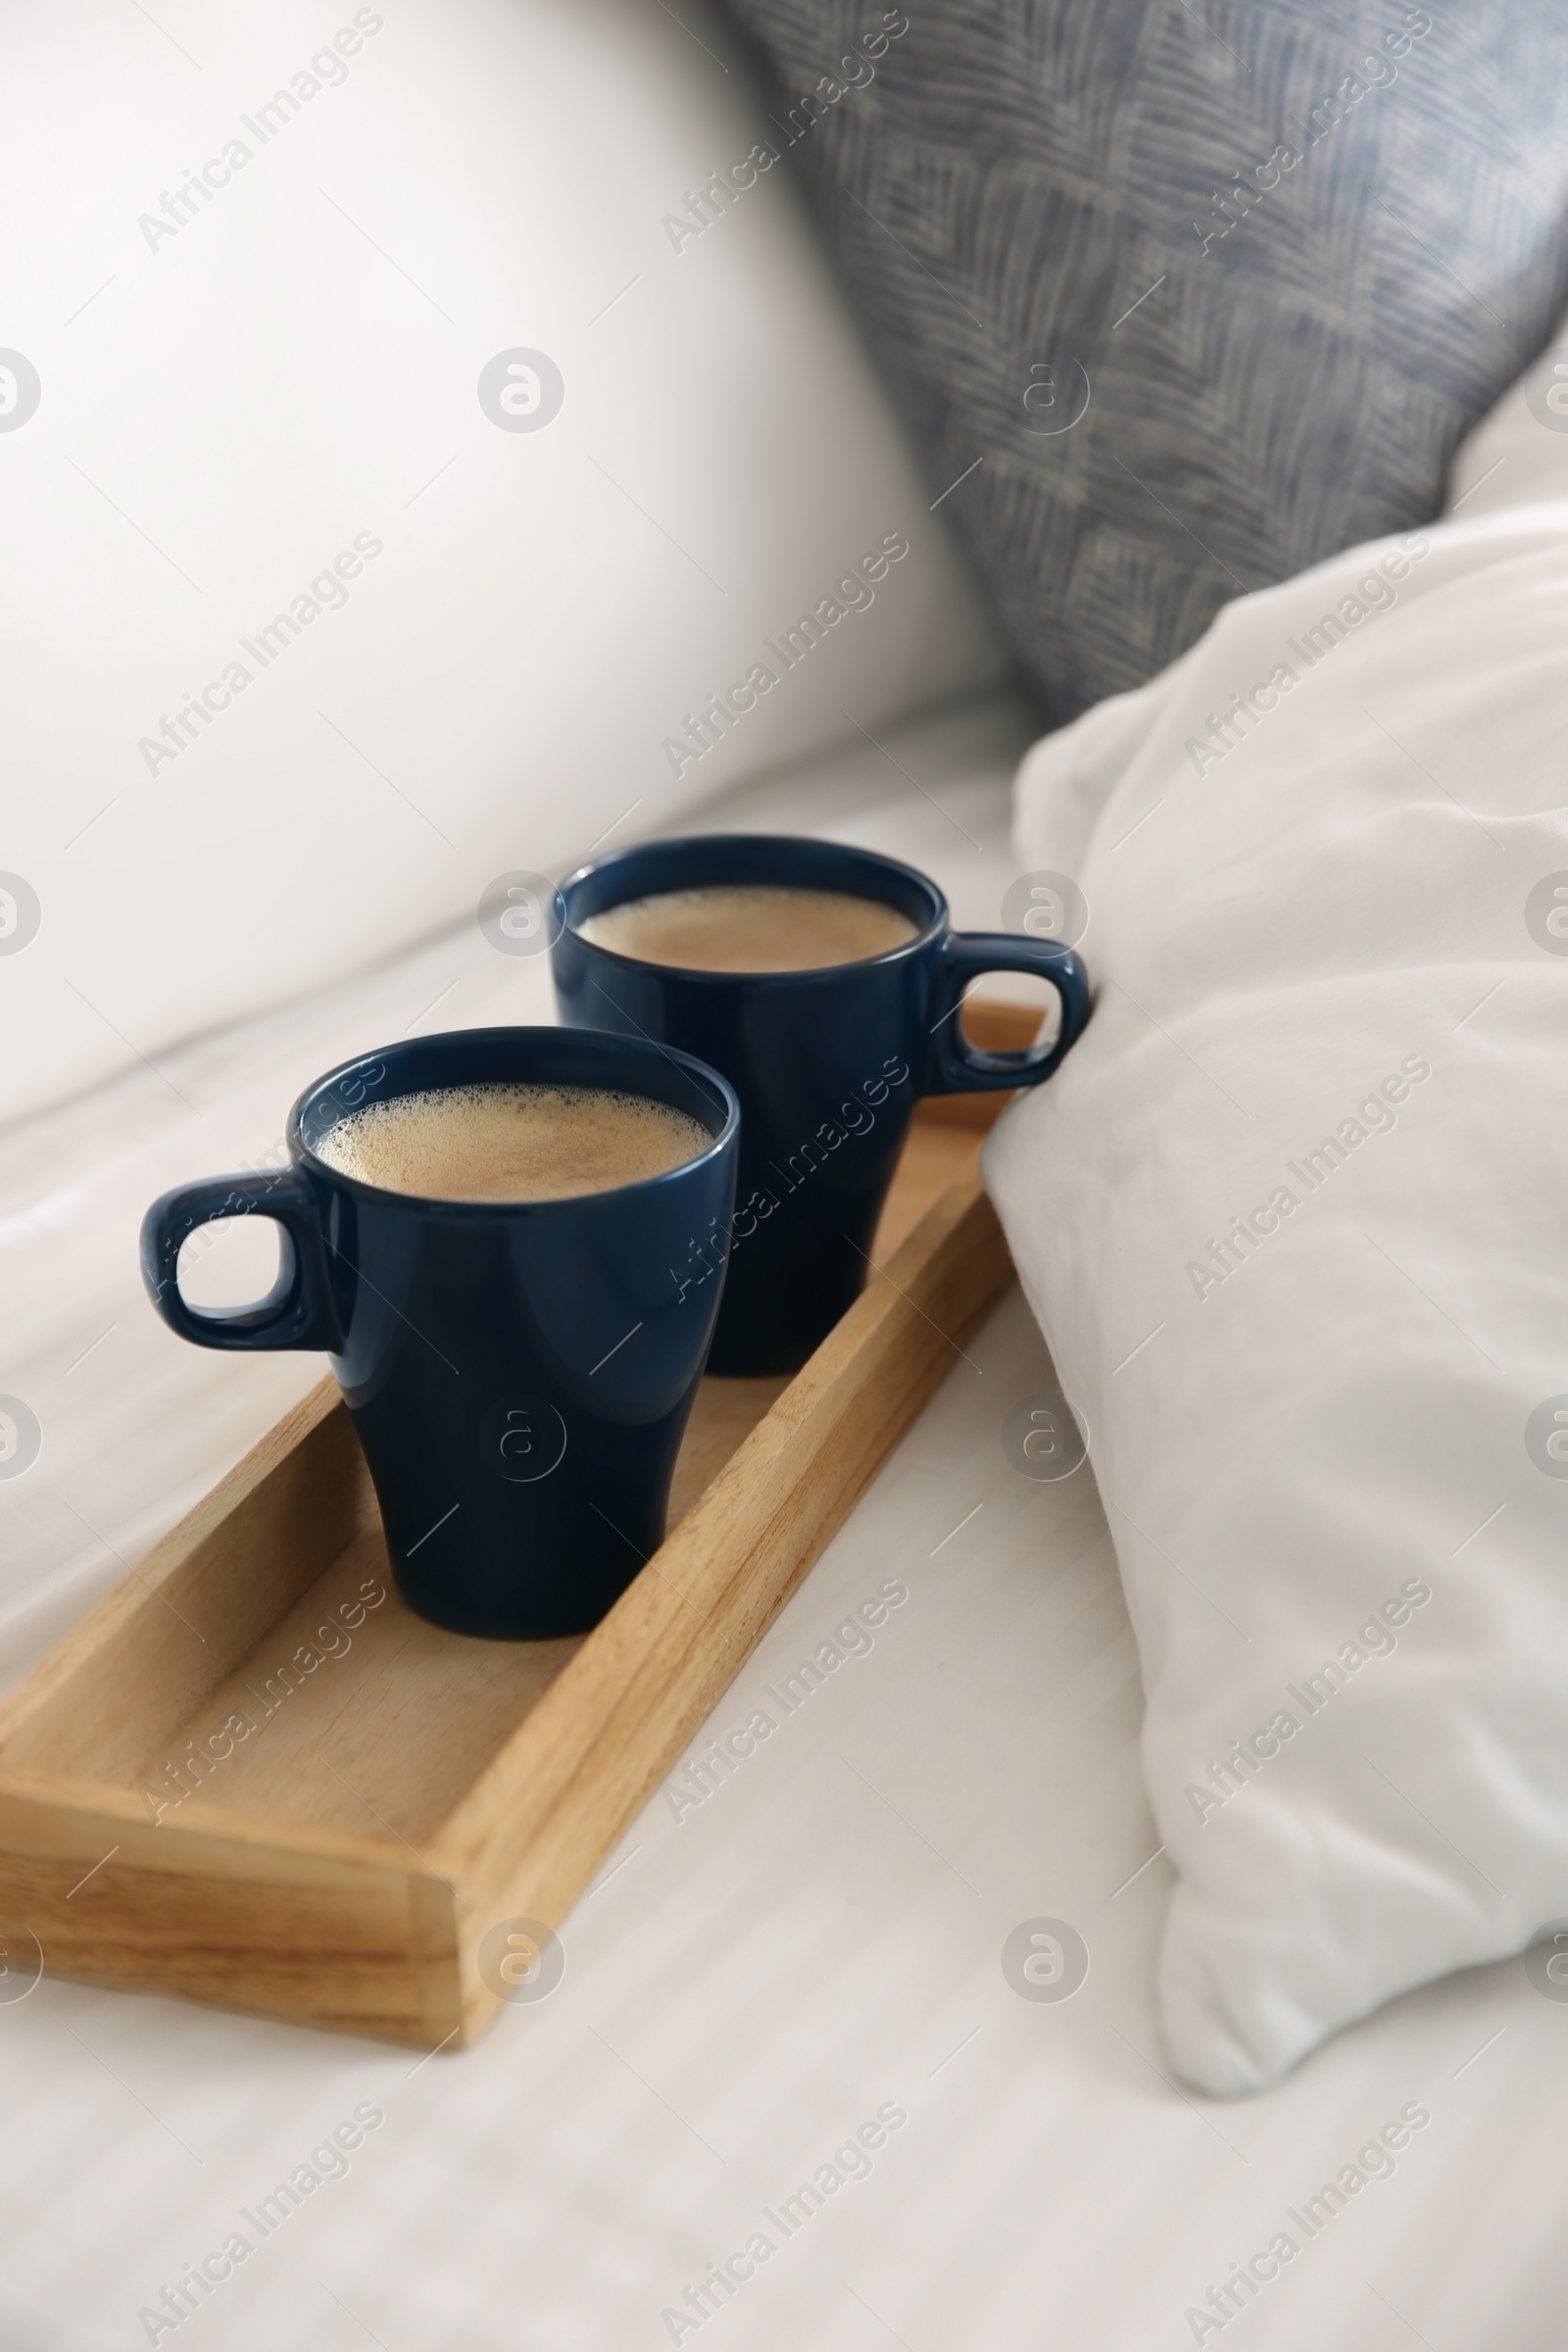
(816, 1945)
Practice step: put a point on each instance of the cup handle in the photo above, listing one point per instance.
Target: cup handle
(297, 1312)
(954, 1066)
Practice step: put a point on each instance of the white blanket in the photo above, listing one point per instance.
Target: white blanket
(1295, 1222)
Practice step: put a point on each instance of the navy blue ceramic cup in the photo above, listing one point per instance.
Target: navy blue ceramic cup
(520, 1374)
(828, 1064)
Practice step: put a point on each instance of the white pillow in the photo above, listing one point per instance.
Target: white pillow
(1294, 1218)
(249, 374)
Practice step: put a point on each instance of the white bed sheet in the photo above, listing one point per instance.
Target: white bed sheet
(746, 1984)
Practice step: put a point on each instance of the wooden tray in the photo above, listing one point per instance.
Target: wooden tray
(395, 1800)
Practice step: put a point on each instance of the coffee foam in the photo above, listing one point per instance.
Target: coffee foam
(501, 1143)
(750, 927)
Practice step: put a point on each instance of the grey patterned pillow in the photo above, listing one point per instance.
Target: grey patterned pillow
(1182, 297)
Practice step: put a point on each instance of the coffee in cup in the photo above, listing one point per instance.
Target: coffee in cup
(491, 1234)
(511, 1143)
(750, 927)
(826, 984)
